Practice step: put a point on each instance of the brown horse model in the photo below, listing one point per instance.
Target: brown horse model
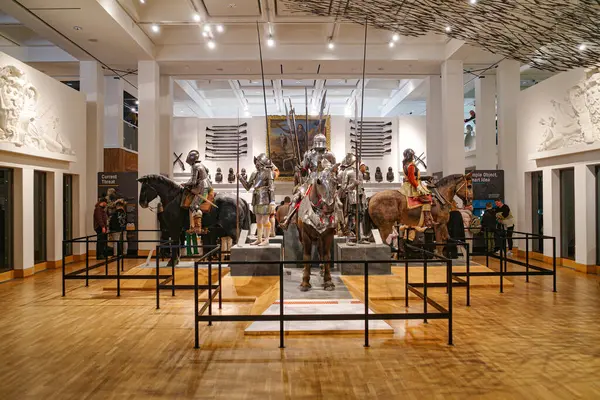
(317, 223)
(390, 207)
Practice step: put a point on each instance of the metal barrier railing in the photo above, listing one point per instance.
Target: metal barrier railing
(213, 290)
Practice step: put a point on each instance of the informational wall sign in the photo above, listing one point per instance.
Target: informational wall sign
(488, 185)
(126, 187)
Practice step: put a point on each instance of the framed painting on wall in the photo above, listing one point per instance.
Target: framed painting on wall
(280, 141)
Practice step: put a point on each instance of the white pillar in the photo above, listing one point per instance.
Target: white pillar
(585, 215)
(166, 119)
(92, 85)
(113, 112)
(148, 138)
(453, 110)
(434, 125)
(509, 87)
(23, 222)
(551, 183)
(485, 110)
(54, 215)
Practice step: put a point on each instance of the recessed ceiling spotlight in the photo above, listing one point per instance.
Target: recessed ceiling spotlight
(473, 1)
(77, 28)
(155, 28)
(270, 41)
(205, 34)
(137, 102)
(207, 28)
(391, 44)
(330, 45)
(142, 1)
(211, 44)
(448, 28)
(196, 17)
(220, 28)
(395, 37)
(582, 47)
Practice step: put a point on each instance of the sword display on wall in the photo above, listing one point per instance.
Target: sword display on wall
(178, 161)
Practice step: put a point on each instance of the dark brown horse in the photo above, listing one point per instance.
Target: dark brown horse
(316, 223)
(390, 207)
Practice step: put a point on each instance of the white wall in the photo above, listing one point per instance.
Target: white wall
(55, 99)
(534, 105)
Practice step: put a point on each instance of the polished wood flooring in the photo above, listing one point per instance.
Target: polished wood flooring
(526, 343)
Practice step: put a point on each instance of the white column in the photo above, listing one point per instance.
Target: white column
(551, 183)
(453, 110)
(509, 87)
(113, 112)
(54, 215)
(485, 110)
(585, 215)
(92, 85)
(166, 119)
(148, 138)
(434, 125)
(23, 221)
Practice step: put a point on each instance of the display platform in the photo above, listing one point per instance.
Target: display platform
(308, 307)
(292, 244)
(256, 254)
(371, 251)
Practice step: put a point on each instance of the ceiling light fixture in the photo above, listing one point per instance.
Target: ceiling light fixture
(155, 28)
(391, 44)
(211, 44)
(448, 28)
(582, 47)
(207, 28)
(137, 102)
(395, 37)
(142, 1)
(247, 114)
(196, 17)
(270, 41)
(220, 28)
(473, 1)
(330, 45)
(205, 34)
(77, 28)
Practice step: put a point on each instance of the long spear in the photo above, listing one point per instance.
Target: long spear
(237, 189)
(306, 127)
(359, 150)
(262, 73)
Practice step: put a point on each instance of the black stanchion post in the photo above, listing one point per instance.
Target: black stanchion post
(118, 268)
(405, 273)
(487, 247)
(424, 285)
(502, 259)
(123, 233)
(157, 278)
(64, 248)
(87, 261)
(366, 266)
(220, 266)
(196, 333)
(281, 327)
(468, 249)
(173, 259)
(527, 257)
(209, 290)
(105, 255)
(554, 264)
(449, 284)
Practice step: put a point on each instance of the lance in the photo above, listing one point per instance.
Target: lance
(291, 129)
(321, 111)
(296, 143)
(362, 108)
(306, 128)
(237, 182)
(262, 73)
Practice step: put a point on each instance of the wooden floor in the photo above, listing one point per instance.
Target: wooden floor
(526, 343)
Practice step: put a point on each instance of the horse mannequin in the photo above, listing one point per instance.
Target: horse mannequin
(389, 207)
(317, 222)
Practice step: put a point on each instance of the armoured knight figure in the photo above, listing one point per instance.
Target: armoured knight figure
(349, 181)
(199, 186)
(263, 199)
(413, 186)
(310, 163)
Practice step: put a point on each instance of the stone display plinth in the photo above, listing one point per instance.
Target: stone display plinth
(256, 254)
(292, 245)
(361, 253)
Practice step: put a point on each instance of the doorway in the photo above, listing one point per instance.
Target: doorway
(567, 213)
(39, 217)
(6, 219)
(68, 212)
(537, 209)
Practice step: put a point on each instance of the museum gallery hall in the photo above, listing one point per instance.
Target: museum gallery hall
(299, 199)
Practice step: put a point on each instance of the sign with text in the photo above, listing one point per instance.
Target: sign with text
(488, 185)
(126, 187)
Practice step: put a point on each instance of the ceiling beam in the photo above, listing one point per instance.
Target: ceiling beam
(239, 94)
(39, 54)
(399, 96)
(202, 104)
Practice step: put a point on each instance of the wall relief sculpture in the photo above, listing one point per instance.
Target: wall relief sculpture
(21, 120)
(575, 119)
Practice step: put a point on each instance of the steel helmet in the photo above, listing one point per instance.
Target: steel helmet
(192, 157)
(262, 161)
(319, 141)
(349, 160)
(409, 153)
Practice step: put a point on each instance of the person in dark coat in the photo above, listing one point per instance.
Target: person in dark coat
(118, 226)
(488, 223)
(456, 230)
(101, 228)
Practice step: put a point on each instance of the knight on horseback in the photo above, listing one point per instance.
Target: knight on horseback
(311, 163)
(413, 187)
(197, 189)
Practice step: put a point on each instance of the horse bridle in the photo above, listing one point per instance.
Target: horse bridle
(465, 181)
